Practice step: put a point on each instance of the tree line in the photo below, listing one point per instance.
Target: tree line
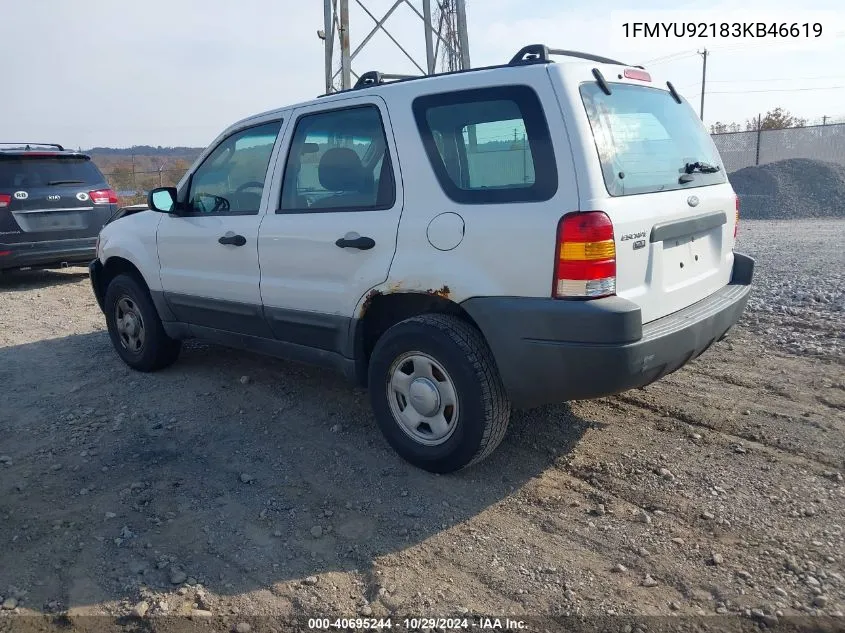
(777, 119)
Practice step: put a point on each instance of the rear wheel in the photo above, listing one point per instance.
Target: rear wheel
(135, 328)
(436, 393)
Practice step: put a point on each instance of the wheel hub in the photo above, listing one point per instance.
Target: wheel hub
(132, 326)
(424, 396)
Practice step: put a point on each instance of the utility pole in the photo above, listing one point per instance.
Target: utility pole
(824, 120)
(704, 54)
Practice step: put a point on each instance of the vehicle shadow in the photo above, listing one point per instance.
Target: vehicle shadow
(19, 280)
(234, 470)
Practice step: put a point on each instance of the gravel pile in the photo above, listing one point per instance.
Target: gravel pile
(798, 300)
(789, 189)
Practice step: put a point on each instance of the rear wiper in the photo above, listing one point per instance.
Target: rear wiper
(66, 182)
(704, 168)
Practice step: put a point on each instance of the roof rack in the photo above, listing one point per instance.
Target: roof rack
(531, 54)
(541, 54)
(28, 146)
(376, 78)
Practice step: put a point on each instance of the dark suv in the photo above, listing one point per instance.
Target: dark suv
(53, 203)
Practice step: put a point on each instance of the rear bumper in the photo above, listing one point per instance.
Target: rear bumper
(47, 253)
(550, 351)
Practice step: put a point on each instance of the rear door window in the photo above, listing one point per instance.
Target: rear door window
(488, 145)
(644, 139)
(29, 172)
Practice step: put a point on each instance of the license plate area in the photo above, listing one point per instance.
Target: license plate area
(689, 258)
(59, 221)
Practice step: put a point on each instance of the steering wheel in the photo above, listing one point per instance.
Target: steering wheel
(221, 205)
(250, 185)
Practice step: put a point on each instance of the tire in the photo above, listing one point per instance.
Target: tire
(125, 295)
(444, 350)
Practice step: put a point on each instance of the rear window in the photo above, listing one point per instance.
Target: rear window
(489, 145)
(28, 172)
(644, 138)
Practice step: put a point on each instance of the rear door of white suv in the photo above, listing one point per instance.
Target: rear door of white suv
(330, 232)
(208, 254)
(634, 147)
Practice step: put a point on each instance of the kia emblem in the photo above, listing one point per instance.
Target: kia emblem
(692, 201)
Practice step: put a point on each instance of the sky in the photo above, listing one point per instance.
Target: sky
(113, 73)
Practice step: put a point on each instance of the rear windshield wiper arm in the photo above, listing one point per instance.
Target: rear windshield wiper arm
(704, 168)
(66, 182)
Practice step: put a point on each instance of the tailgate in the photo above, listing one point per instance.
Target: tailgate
(670, 254)
(647, 161)
(52, 197)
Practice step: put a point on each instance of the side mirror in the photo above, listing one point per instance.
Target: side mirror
(162, 199)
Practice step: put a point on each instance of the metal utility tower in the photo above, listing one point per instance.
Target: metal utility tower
(444, 30)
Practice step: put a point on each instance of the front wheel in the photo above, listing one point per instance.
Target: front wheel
(135, 328)
(436, 393)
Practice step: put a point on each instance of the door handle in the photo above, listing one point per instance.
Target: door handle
(361, 243)
(232, 240)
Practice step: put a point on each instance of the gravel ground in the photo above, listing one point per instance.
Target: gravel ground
(791, 189)
(237, 490)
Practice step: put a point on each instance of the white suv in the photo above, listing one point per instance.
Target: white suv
(463, 243)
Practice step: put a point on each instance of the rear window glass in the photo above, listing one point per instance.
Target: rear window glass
(489, 145)
(26, 172)
(644, 139)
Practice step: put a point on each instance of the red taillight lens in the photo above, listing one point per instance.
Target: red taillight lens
(586, 256)
(5, 200)
(103, 196)
(736, 220)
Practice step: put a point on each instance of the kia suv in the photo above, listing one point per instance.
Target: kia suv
(53, 203)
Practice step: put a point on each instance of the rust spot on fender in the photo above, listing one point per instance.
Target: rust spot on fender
(368, 300)
(442, 292)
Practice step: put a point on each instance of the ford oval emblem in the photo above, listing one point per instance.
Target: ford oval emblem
(692, 201)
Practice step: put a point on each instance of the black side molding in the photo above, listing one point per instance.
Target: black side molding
(681, 228)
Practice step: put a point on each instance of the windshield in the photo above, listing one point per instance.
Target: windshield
(28, 172)
(645, 140)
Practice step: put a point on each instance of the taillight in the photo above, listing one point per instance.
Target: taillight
(586, 256)
(5, 200)
(736, 219)
(103, 196)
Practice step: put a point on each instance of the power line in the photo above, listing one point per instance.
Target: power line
(736, 92)
(668, 58)
(742, 81)
(728, 81)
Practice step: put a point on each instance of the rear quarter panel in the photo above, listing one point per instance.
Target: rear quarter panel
(507, 249)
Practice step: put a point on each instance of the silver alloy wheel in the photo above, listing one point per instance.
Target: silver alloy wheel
(422, 398)
(130, 324)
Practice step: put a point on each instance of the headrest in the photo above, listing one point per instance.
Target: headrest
(340, 169)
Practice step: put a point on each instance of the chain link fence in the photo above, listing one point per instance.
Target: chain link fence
(817, 142)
